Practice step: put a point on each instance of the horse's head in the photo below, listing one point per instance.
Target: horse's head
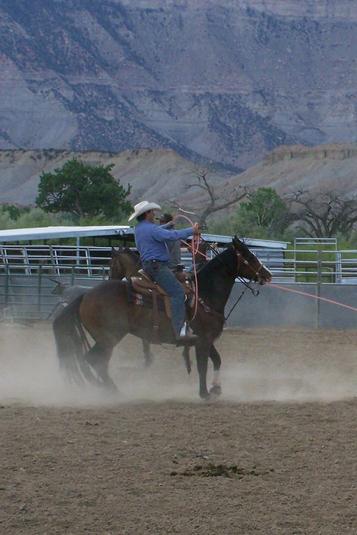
(248, 265)
(123, 263)
(115, 265)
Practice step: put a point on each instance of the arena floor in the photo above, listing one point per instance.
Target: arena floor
(275, 455)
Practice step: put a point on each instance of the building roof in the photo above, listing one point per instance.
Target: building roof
(252, 242)
(60, 232)
(50, 233)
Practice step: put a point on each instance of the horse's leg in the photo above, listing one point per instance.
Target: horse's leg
(202, 352)
(149, 357)
(186, 358)
(216, 388)
(98, 357)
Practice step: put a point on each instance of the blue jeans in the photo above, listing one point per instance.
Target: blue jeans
(160, 273)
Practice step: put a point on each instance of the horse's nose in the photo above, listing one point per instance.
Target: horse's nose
(264, 280)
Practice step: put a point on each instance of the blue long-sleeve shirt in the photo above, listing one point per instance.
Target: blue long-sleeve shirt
(150, 240)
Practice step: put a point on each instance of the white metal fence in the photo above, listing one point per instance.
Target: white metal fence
(296, 265)
(26, 271)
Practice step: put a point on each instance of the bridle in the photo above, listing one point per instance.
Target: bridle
(240, 258)
(247, 285)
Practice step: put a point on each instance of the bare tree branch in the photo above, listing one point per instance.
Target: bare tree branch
(213, 203)
(324, 215)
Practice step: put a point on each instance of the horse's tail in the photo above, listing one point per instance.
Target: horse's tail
(72, 344)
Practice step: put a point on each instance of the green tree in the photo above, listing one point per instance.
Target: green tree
(264, 215)
(83, 190)
(14, 211)
(30, 217)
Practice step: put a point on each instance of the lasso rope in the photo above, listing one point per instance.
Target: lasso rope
(316, 297)
(195, 244)
(306, 294)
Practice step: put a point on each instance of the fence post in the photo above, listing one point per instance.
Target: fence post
(318, 287)
(7, 275)
(39, 290)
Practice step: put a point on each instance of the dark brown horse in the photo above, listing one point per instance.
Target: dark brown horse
(108, 315)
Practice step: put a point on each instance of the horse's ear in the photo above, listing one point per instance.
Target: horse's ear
(115, 251)
(237, 243)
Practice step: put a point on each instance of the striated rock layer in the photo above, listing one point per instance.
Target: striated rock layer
(226, 80)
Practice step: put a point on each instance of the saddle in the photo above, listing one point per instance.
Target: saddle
(144, 285)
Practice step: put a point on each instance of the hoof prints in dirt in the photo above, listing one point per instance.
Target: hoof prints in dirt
(216, 470)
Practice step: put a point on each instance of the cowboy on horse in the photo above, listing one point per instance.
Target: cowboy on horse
(150, 240)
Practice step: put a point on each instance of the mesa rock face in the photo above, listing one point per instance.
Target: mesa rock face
(223, 81)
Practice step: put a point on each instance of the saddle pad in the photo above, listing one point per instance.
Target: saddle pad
(139, 299)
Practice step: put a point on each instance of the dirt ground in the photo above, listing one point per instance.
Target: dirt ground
(277, 454)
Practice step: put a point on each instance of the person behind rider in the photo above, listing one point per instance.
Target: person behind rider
(150, 241)
(174, 247)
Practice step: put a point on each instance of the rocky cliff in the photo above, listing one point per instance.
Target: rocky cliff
(221, 80)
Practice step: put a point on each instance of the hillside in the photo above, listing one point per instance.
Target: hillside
(162, 175)
(153, 174)
(321, 168)
(219, 80)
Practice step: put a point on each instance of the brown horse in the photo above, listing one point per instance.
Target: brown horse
(125, 262)
(108, 314)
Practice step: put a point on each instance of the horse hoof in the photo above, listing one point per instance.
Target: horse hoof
(215, 390)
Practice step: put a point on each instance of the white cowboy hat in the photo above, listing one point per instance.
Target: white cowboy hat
(142, 207)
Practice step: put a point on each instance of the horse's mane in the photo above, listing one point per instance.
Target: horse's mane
(126, 250)
(131, 252)
(217, 261)
(224, 257)
(212, 277)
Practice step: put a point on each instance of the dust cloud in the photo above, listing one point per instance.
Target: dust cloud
(257, 365)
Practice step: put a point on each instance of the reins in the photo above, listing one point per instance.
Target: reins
(247, 285)
(195, 242)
